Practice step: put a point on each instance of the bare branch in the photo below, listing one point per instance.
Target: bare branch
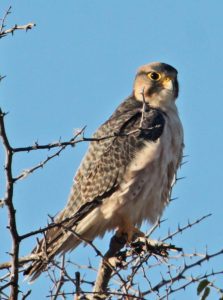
(11, 30)
(187, 226)
(22, 261)
(57, 144)
(27, 172)
(61, 279)
(8, 200)
(26, 295)
(181, 275)
(2, 25)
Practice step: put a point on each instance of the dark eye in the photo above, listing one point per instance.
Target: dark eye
(154, 76)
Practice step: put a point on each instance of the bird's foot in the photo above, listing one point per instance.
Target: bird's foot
(130, 232)
(144, 244)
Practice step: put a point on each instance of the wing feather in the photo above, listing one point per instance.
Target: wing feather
(102, 170)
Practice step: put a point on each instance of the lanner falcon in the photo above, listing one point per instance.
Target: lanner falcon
(127, 174)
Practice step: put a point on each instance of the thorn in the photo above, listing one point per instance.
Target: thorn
(89, 263)
(3, 114)
(180, 178)
(51, 218)
(169, 232)
(162, 276)
(2, 77)
(83, 131)
(184, 163)
(174, 199)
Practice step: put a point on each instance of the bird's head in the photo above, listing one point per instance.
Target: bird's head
(157, 83)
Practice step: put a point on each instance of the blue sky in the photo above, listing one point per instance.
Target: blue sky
(77, 65)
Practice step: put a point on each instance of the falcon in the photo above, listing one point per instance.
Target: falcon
(127, 174)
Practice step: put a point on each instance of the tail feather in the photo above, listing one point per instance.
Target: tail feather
(64, 238)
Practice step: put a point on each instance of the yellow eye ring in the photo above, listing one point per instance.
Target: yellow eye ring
(155, 76)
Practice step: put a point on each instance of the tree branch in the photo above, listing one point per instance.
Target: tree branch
(11, 30)
(8, 200)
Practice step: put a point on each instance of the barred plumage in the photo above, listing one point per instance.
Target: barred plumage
(128, 171)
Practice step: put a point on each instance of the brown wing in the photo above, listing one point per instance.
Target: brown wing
(102, 170)
(106, 161)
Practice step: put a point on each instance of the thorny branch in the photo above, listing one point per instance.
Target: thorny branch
(62, 146)
(8, 200)
(181, 275)
(187, 226)
(11, 30)
(60, 283)
(111, 263)
(115, 260)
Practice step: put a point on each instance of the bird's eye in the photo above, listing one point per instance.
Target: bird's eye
(154, 76)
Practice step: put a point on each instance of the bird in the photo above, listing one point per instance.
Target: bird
(127, 174)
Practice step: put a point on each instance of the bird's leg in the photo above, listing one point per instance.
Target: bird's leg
(129, 230)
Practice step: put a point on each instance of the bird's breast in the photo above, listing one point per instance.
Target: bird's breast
(146, 185)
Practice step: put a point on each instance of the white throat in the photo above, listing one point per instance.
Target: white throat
(163, 100)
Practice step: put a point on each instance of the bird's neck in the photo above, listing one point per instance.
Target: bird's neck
(164, 101)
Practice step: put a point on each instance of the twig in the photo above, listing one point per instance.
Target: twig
(21, 262)
(143, 109)
(192, 280)
(25, 27)
(73, 141)
(180, 275)
(49, 146)
(27, 172)
(5, 286)
(189, 225)
(61, 279)
(11, 30)
(8, 200)
(2, 26)
(24, 296)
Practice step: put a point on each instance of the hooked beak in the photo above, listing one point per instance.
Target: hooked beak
(168, 83)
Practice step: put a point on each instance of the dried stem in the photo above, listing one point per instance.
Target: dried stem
(2, 26)
(61, 279)
(11, 30)
(8, 200)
